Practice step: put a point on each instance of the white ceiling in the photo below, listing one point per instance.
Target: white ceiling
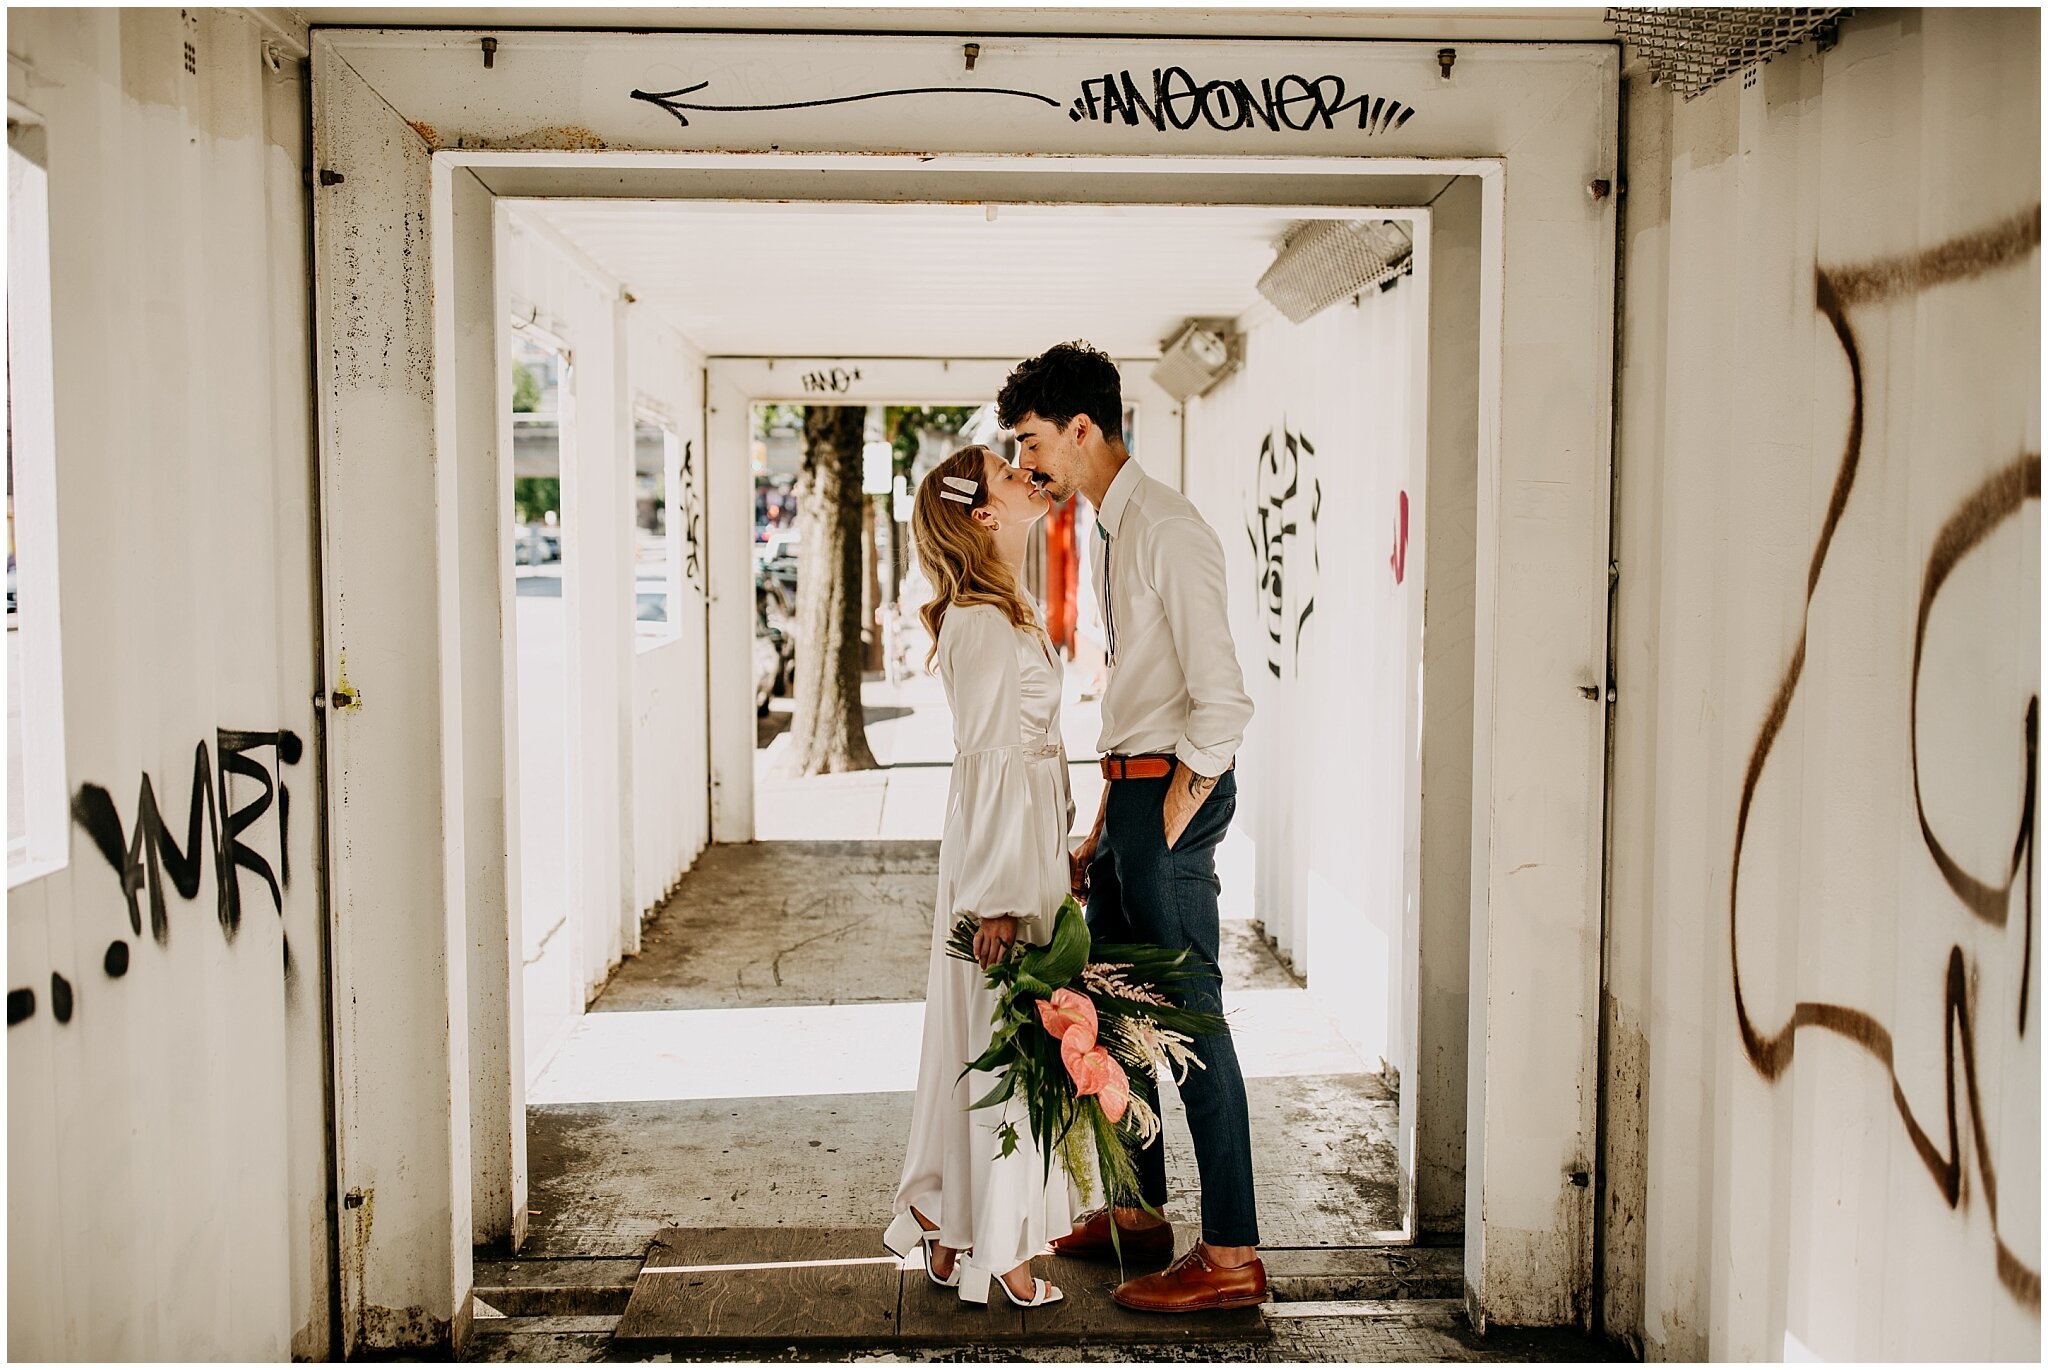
(924, 280)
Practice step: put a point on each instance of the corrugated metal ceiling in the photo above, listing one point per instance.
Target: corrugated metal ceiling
(924, 280)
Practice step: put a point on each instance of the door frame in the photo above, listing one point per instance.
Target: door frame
(399, 268)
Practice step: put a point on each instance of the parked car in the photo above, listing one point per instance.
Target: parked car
(537, 545)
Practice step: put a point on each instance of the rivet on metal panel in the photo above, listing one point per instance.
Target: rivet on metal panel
(329, 178)
(1446, 58)
(1599, 190)
(1581, 1178)
(1590, 691)
(490, 53)
(973, 51)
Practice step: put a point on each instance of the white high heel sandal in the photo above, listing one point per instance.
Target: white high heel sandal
(906, 1234)
(974, 1283)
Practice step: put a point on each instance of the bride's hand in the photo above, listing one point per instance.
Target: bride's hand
(993, 938)
(1078, 862)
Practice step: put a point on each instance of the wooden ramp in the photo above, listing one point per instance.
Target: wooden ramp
(706, 1287)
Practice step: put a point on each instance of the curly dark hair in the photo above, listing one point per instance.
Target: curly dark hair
(1060, 382)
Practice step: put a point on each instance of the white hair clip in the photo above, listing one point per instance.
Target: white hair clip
(968, 488)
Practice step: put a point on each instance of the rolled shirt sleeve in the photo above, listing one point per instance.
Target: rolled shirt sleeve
(998, 874)
(1187, 568)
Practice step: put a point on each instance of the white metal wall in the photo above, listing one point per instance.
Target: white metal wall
(637, 809)
(1766, 1197)
(671, 732)
(167, 1159)
(1300, 462)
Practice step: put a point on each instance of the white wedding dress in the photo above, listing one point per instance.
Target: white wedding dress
(1004, 851)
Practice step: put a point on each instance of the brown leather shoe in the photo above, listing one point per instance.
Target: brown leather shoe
(1090, 1239)
(1193, 1285)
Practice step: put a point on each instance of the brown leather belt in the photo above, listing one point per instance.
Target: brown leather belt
(1153, 767)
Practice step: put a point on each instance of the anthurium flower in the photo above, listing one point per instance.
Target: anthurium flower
(1069, 1011)
(1116, 1090)
(1095, 1071)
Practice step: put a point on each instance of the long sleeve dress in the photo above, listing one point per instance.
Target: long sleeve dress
(1004, 851)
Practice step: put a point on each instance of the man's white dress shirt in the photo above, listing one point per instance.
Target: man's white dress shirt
(1174, 684)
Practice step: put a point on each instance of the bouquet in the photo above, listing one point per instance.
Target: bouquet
(1071, 1020)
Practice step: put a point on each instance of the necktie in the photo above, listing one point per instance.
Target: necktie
(1108, 601)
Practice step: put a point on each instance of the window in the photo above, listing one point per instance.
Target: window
(656, 573)
(37, 793)
(538, 373)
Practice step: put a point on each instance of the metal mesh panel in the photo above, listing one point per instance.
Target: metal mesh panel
(1327, 260)
(1693, 50)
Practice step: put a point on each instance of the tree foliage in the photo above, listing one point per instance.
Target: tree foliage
(525, 389)
(906, 424)
(535, 497)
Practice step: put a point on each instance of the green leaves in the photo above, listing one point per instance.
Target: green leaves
(1005, 1087)
(1054, 965)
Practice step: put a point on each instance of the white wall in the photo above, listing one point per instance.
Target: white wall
(1325, 770)
(671, 742)
(167, 1160)
(613, 794)
(1766, 1197)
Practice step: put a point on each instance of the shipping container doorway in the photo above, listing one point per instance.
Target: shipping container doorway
(1511, 345)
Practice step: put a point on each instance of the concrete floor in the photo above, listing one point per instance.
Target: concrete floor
(753, 1067)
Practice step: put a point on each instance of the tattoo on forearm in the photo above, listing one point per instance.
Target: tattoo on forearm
(1199, 786)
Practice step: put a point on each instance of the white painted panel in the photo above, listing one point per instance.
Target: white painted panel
(1783, 1204)
(1299, 461)
(402, 1145)
(167, 1133)
(671, 732)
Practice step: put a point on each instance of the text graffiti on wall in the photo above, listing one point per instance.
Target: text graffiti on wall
(1284, 494)
(1171, 98)
(142, 858)
(1174, 99)
(837, 381)
(1996, 500)
(690, 514)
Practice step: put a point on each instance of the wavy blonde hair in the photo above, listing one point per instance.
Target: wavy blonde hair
(958, 554)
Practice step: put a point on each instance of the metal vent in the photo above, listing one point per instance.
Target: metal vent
(1327, 260)
(1200, 354)
(1693, 50)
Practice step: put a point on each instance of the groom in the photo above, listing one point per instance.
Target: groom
(1173, 713)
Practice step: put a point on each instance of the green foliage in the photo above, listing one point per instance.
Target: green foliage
(769, 417)
(525, 389)
(534, 497)
(905, 425)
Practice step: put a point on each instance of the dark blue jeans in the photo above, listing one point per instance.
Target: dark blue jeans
(1141, 892)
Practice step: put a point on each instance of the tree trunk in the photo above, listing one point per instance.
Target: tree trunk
(829, 732)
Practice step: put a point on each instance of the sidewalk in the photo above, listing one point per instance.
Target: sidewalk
(910, 731)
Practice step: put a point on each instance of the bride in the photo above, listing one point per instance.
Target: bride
(1003, 862)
